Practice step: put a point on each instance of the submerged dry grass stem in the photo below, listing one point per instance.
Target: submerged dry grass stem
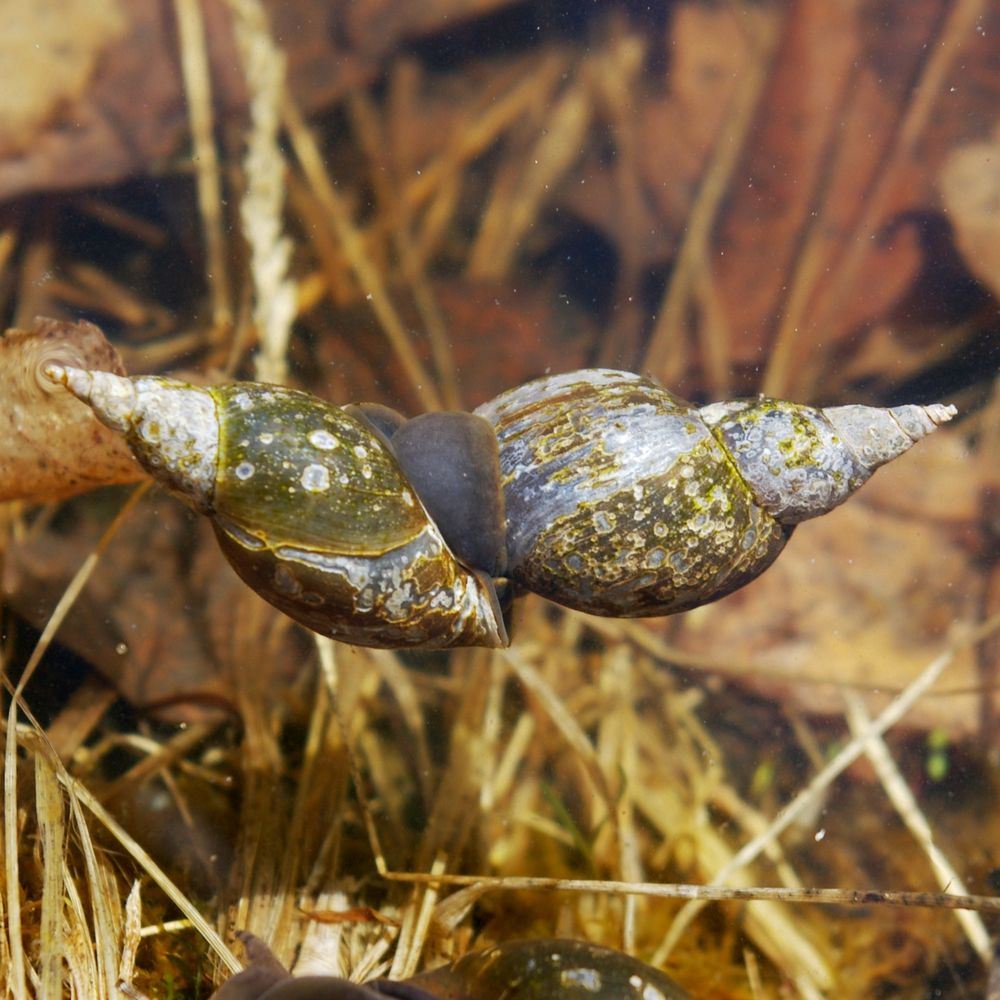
(905, 803)
(263, 199)
(198, 90)
(634, 767)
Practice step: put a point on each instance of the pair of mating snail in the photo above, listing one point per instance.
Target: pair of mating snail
(597, 489)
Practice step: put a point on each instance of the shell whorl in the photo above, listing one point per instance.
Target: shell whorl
(171, 427)
(309, 506)
(801, 462)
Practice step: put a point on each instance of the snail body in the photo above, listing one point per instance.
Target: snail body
(598, 489)
(309, 506)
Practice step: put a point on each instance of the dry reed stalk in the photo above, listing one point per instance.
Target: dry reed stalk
(531, 89)
(157, 758)
(52, 834)
(616, 76)
(131, 933)
(617, 751)
(400, 684)
(262, 203)
(18, 965)
(905, 804)
(353, 246)
(514, 207)
(111, 297)
(793, 351)
(198, 90)
(789, 813)
(397, 221)
(667, 355)
(122, 220)
(714, 331)
(703, 893)
(33, 281)
(259, 904)
(338, 278)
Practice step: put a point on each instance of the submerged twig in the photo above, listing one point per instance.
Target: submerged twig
(709, 893)
(895, 711)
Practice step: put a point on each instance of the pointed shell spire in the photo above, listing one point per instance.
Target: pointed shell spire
(171, 427)
(801, 462)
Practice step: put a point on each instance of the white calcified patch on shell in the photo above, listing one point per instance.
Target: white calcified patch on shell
(801, 462)
(172, 427)
(581, 977)
(315, 478)
(323, 440)
(620, 500)
(575, 438)
(791, 457)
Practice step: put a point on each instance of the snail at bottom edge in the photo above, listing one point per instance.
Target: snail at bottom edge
(597, 489)
(542, 969)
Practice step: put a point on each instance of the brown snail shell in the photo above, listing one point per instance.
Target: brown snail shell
(624, 500)
(310, 507)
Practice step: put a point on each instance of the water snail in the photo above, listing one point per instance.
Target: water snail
(542, 969)
(597, 489)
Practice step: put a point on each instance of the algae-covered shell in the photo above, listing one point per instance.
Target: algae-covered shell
(548, 970)
(624, 500)
(309, 505)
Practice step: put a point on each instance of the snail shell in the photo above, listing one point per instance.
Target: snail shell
(624, 500)
(546, 970)
(310, 507)
(541, 969)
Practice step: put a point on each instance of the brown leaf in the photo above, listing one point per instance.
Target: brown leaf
(67, 39)
(164, 618)
(51, 445)
(121, 105)
(970, 188)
